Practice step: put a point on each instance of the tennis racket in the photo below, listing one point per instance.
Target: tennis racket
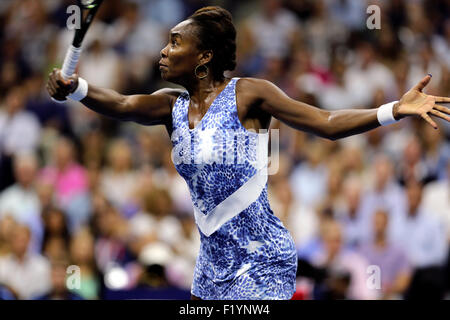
(88, 10)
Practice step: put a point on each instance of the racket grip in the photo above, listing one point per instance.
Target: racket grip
(70, 61)
(69, 65)
(58, 101)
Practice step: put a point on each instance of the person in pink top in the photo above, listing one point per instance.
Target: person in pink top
(70, 182)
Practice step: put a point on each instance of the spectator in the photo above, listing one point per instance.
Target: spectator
(26, 273)
(155, 258)
(385, 193)
(102, 67)
(436, 153)
(21, 200)
(155, 222)
(82, 255)
(309, 179)
(300, 220)
(413, 167)
(337, 259)
(271, 33)
(435, 200)
(423, 239)
(19, 129)
(425, 61)
(392, 262)
(131, 35)
(56, 233)
(441, 45)
(118, 180)
(349, 212)
(418, 233)
(322, 32)
(111, 228)
(351, 13)
(19, 132)
(153, 8)
(59, 290)
(335, 95)
(70, 183)
(367, 75)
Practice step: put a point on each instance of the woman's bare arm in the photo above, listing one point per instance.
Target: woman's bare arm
(340, 123)
(149, 109)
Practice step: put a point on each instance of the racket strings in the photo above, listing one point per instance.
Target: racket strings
(88, 4)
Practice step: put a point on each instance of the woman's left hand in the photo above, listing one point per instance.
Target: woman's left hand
(415, 102)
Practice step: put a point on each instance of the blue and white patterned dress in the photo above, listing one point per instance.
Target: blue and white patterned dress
(245, 251)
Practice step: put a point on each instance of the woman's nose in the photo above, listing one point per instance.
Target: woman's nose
(163, 52)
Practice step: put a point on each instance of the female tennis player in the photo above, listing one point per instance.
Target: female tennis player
(245, 252)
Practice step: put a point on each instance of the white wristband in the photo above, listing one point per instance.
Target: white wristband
(385, 114)
(81, 92)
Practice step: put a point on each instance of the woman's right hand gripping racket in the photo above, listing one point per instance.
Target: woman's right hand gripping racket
(59, 88)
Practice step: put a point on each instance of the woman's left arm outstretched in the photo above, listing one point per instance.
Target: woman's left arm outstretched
(346, 122)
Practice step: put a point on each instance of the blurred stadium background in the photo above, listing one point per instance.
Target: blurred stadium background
(79, 189)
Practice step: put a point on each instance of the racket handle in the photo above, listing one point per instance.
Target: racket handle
(69, 65)
(70, 61)
(58, 101)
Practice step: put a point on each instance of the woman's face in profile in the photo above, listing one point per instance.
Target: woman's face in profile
(180, 56)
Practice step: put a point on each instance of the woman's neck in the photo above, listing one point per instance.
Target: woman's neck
(200, 89)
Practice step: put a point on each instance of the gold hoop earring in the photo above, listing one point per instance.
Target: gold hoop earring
(196, 71)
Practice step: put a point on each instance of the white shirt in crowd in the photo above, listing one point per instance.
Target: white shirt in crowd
(29, 278)
(364, 83)
(308, 183)
(102, 68)
(436, 200)
(19, 133)
(167, 229)
(19, 202)
(118, 188)
(272, 37)
(23, 206)
(422, 237)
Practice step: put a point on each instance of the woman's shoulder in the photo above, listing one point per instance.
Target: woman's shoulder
(250, 82)
(170, 95)
(172, 92)
(254, 87)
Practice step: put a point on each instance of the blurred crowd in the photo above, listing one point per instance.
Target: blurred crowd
(370, 214)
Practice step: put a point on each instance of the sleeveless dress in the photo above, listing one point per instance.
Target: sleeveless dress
(245, 251)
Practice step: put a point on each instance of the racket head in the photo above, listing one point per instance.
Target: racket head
(88, 4)
(90, 7)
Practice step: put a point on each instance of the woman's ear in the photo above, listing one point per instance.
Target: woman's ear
(206, 57)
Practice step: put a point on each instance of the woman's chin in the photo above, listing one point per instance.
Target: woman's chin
(164, 75)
